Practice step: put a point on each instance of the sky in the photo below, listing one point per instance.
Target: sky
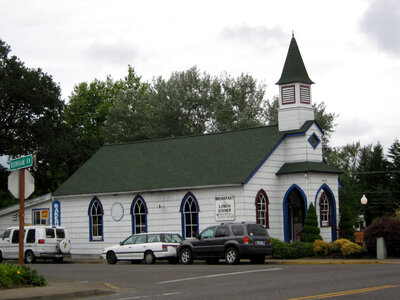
(351, 49)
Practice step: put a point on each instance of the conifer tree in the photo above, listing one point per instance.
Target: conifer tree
(346, 223)
(311, 230)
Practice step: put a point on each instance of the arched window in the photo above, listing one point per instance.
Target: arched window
(262, 214)
(189, 212)
(324, 210)
(139, 215)
(95, 220)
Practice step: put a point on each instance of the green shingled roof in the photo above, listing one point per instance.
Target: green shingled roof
(307, 166)
(204, 160)
(294, 69)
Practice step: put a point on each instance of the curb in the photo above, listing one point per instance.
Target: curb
(329, 262)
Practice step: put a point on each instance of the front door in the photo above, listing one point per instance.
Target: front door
(296, 214)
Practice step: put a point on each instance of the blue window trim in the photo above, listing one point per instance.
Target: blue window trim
(317, 138)
(132, 211)
(188, 194)
(332, 203)
(90, 220)
(286, 213)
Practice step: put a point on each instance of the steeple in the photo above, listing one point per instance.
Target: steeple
(295, 106)
(294, 69)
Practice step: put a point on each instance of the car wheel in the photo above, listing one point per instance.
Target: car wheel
(1, 257)
(186, 256)
(173, 260)
(232, 256)
(212, 261)
(259, 259)
(29, 257)
(111, 258)
(149, 258)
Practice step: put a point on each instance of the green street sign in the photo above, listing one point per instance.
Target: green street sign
(21, 162)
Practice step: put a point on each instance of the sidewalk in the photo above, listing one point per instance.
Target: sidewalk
(82, 289)
(59, 290)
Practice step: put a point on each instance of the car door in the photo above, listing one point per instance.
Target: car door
(217, 244)
(201, 246)
(6, 243)
(12, 251)
(124, 250)
(139, 246)
(154, 244)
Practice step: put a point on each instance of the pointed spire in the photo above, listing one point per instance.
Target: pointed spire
(294, 69)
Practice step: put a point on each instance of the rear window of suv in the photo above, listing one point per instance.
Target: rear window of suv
(50, 233)
(257, 230)
(237, 230)
(60, 233)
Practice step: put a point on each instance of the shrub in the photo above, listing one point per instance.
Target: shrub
(347, 248)
(346, 223)
(389, 229)
(311, 230)
(14, 275)
(294, 250)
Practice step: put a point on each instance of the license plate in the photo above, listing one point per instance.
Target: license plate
(260, 243)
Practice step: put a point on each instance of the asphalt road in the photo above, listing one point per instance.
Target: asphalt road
(243, 281)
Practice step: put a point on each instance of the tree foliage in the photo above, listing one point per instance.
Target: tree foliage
(87, 112)
(346, 223)
(311, 230)
(31, 118)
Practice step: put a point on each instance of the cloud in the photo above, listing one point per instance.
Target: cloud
(119, 52)
(259, 36)
(381, 22)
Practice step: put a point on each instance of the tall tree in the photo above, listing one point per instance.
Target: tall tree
(29, 103)
(240, 105)
(373, 180)
(88, 109)
(30, 116)
(394, 169)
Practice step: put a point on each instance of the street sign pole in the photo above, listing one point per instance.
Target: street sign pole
(21, 215)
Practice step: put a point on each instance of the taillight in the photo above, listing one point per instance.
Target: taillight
(245, 240)
(165, 247)
(41, 241)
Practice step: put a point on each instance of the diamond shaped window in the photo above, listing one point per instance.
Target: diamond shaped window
(314, 140)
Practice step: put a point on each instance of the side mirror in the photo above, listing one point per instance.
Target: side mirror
(121, 243)
(198, 236)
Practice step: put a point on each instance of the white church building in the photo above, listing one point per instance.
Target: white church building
(268, 175)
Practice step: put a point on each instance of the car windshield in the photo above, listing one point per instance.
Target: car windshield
(172, 238)
(255, 229)
(128, 241)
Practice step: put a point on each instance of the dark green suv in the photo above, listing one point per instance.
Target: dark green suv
(231, 241)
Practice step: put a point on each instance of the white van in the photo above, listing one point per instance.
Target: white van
(39, 242)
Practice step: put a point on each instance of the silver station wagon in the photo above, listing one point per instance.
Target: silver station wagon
(145, 246)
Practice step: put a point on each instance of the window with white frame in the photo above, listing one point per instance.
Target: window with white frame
(96, 220)
(189, 210)
(40, 216)
(324, 210)
(139, 215)
(262, 215)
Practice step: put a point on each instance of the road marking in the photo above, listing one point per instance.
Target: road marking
(344, 293)
(110, 285)
(218, 275)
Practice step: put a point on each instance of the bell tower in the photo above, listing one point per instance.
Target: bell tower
(295, 105)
